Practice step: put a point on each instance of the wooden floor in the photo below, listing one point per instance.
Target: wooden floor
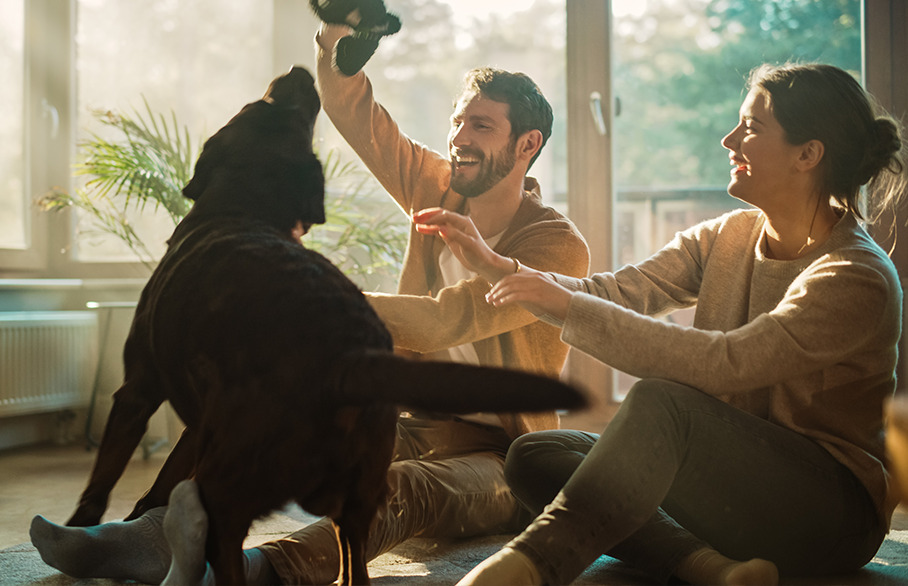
(47, 480)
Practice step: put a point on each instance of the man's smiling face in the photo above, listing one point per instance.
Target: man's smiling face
(480, 144)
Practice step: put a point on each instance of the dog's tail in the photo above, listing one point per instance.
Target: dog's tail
(450, 387)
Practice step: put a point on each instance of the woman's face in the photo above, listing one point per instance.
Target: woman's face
(763, 161)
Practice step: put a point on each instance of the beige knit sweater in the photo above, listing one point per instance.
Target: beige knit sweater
(809, 344)
(424, 317)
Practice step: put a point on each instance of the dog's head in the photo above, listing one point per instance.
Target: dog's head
(261, 163)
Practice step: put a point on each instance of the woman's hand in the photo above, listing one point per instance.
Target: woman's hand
(463, 238)
(535, 291)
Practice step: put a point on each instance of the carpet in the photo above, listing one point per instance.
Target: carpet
(430, 562)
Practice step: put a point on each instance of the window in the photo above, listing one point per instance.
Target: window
(679, 70)
(197, 60)
(13, 224)
(417, 73)
(667, 93)
(634, 83)
(201, 59)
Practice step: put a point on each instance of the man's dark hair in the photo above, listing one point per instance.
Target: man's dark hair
(528, 108)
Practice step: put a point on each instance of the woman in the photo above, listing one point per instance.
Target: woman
(752, 446)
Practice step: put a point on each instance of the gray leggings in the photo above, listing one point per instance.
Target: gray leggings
(676, 470)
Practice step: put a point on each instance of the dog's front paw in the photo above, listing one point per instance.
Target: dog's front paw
(86, 516)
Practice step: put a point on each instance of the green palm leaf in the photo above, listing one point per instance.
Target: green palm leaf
(151, 160)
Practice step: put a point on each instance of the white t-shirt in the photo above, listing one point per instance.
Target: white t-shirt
(452, 271)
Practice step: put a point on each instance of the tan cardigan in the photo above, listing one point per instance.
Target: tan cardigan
(809, 344)
(422, 317)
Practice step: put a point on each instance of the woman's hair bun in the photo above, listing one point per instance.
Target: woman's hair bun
(883, 150)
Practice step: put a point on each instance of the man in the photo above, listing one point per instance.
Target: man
(448, 476)
(447, 479)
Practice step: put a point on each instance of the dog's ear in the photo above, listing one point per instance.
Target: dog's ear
(311, 178)
(203, 167)
(216, 149)
(286, 190)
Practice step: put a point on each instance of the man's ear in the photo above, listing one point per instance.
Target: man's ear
(529, 144)
(811, 154)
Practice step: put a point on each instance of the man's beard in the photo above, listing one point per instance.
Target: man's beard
(491, 171)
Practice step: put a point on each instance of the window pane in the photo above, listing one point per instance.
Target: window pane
(680, 67)
(679, 73)
(199, 59)
(13, 213)
(417, 73)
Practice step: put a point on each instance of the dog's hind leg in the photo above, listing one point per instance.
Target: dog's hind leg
(229, 519)
(352, 532)
(353, 524)
(134, 404)
(179, 466)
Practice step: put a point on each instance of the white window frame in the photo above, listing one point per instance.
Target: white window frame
(47, 80)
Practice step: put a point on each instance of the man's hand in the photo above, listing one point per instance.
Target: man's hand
(330, 34)
(463, 238)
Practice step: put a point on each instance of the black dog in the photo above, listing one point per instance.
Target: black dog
(281, 371)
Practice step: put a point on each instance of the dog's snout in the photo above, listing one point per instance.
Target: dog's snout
(294, 89)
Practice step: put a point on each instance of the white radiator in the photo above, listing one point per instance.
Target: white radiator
(47, 360)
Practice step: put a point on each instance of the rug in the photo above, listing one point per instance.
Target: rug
(431, 562)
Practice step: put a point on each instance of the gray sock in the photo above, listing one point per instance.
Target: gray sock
(186, 529)
(259, 571)
(130, 550)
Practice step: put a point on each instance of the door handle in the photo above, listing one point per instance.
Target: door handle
(596, 111)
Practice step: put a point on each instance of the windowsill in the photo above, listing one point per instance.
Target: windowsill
(88, 284)
(67, 294)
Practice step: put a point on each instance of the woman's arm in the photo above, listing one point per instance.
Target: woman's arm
(666, 281)
(827, 315)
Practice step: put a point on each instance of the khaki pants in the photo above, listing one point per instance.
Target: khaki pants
(447, 480)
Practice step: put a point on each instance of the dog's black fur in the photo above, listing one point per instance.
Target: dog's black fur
(281, 371)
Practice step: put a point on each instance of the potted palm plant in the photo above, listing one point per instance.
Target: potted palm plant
(151, 158)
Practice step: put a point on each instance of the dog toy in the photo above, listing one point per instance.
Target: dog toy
(370, 21)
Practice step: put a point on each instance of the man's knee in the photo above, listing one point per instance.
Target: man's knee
(538, 464)
(654, 395)
(519, 465)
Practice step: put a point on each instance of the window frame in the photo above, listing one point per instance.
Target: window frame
(47, 78)
(50, 149)
(885, 61)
